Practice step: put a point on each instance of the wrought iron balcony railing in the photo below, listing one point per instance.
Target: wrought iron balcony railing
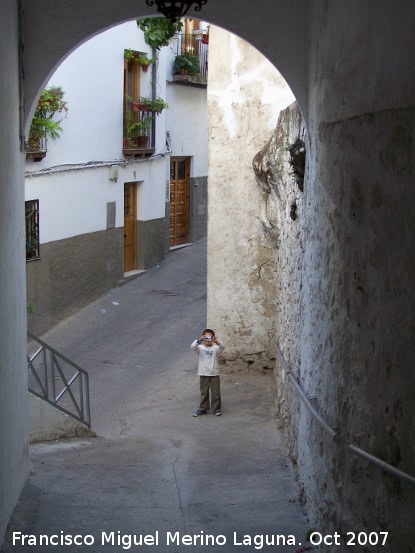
(195, 47)
(139, 128)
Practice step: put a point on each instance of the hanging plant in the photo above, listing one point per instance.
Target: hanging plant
(156, 106)
(186, 64)
(145, 62)
(43, 123)
(158, 31)
(129, 55)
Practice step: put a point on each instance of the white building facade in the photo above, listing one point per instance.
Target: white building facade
(105, 207)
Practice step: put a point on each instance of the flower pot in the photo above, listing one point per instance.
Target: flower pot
(139, 106)
(205, 39)
(142, 141)
(144, 67)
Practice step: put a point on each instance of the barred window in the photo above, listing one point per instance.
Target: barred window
(32, 229)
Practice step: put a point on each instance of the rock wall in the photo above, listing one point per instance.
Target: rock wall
(282, 217)
(345, 315)
(356, 351)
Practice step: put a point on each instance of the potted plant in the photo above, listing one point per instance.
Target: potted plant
(157, 105)
(140, 105)
(137, 123)
(136, 132)
(186, 64)
(144, 61)
(43, 123)
(198, 33)
(129, 55)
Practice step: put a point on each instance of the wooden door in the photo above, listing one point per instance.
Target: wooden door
(130, 226)
(179, 201)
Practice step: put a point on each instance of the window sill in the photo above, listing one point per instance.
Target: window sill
(138, 152)
(36, 155)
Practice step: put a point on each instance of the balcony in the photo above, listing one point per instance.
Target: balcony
(139, 130)
(197, 47)
(36, 149)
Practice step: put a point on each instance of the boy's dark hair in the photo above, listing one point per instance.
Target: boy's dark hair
(209, 330)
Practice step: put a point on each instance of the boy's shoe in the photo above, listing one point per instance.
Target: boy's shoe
(199, 412)
(218, 413)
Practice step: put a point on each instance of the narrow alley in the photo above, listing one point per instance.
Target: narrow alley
(153, 468)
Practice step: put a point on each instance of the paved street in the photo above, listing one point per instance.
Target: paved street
(154, 468)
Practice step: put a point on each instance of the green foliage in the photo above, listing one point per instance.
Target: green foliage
(135, 126)
(43, 125)
(30, 308)
(186, 64)
(129, 55)
(32, 231)
(158, 31)
(144, 60)
(157, 105)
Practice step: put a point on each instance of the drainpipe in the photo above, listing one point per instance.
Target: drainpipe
(154, 54)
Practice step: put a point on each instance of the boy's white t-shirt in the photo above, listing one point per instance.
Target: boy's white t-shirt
(208, 358)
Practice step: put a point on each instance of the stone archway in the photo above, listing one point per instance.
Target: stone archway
(282, 38)
(350, 67)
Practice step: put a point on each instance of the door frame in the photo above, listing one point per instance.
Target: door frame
(133, 259)
(187, 160)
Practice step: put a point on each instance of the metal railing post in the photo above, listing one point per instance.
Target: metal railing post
(52, 371)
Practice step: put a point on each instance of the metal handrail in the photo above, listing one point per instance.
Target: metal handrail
(335, 435)
(46, 376)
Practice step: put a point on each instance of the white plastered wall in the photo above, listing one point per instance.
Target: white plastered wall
(74, 202)
(188, 125)
(245, 95)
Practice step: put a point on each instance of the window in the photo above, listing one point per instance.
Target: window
(32, 229)
(132, 75)
(139, 124)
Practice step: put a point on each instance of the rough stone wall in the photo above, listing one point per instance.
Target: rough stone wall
(357, 298)
(282, 216)
(345, 315)
(358, 315)
(245, 95)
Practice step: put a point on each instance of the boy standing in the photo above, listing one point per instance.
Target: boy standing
(208, 348)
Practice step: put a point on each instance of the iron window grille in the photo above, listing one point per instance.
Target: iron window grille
(32, 229)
